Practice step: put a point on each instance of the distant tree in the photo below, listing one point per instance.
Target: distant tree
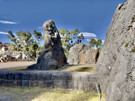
(12, 37)
(94, 43)
(25, 42)
(37, 35)
(70, 38)
(12, 47)
(99, 43)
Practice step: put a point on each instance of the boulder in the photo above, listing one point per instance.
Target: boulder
(15, 56)
(116, 63)
(82, 54)
(53, 56)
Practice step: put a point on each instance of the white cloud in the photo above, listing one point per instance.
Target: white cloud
(39, 27)
(88, 36)
(3, 33)
(103, 41)
(7, 22)
(88, 40)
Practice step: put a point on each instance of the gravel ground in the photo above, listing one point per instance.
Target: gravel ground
(15, 64)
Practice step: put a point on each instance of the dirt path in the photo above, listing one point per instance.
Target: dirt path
(15, 64)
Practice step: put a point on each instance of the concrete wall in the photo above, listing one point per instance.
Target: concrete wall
(48, 79)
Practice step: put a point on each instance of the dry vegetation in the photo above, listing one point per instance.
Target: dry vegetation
(79, 68)
(40, 94)
(74, 68)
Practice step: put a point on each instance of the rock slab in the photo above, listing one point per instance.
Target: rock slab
(82, 54)
(116, 64)
(53, 56)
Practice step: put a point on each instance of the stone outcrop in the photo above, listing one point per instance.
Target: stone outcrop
(82, 54)
(116, 63)
(53, 56)
(14, 56)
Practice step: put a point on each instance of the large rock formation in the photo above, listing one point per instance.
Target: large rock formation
(53, 56)
(116, 64)
(82, 54)
(14, 56)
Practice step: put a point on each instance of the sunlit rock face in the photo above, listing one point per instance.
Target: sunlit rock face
(82, 54)
(53, 56)
(116, 64)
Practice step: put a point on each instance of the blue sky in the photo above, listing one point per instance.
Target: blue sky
(91, 17)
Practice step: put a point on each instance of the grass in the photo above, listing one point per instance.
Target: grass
(40, 94)
(67, 95)
(74, 68)
(79, 68)
(18, 68)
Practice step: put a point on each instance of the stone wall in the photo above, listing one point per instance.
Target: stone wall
(48, 79)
